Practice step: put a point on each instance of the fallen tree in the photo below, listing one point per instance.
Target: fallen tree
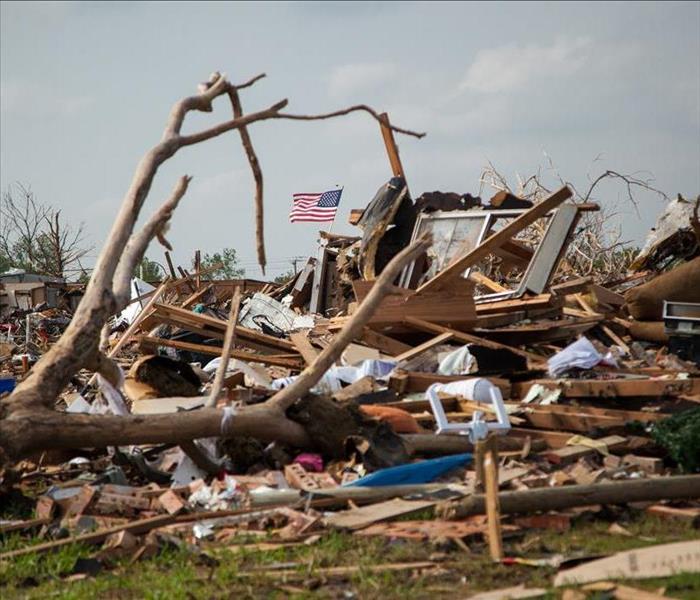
(28, 421)
(558, 498)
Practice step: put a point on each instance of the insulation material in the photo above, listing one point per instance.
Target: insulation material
(648, 331)
(682, 284)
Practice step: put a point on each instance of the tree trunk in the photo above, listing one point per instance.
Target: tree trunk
(536, 500)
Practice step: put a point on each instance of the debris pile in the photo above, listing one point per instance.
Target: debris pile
(449, 358)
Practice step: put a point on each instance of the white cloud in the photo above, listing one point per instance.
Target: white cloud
(350, 79)
(31, 98)
(509, 67)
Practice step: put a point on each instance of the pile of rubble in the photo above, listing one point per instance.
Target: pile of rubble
(491, 364)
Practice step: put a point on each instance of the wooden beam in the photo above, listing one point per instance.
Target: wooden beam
(467, 338)
(229, 341)
(184, 318)
(216, 351)
(413, 352)
(496, 240)
(385, 344)
(489, 284)
(493, 510)
(303, 345)
(392, 149)
(171, 268)
(197, 296)
(613, 388)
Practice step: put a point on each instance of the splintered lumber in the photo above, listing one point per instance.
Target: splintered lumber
(216, 328)
(431, 343)
(613, 388)
(308, 378)
(569, 496)
(559, 439)
(502, 319)
(467, 338)
(453, 307)
(583, 418)
(542, 331)
(570, 454)
(197, 296)
(266, 359)
(303, 345)
(504, 306)
(495, 241)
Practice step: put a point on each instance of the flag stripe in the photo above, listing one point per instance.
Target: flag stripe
(315, 208)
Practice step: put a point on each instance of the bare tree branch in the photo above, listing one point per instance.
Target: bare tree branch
(346, 111)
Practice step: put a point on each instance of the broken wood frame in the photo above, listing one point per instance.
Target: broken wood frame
(541, 265)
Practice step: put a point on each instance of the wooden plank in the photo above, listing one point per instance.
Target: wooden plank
(613, 388)
(570, 454)
(357, 518)
(583, 419)
(303, 345)
(431, 343)
(452, 308)
(493, 511)
(171, 268)
(187, 318)
(504, 306)
(496, 240)
(467, 338)
(392, 149)
(385, 344)
(194, 298)
(229, 341)
(216, 351)
(489, 284)
(580, 284)
(661, 560)
(539, 332)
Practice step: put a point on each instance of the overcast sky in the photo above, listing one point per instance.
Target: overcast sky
(86, 89)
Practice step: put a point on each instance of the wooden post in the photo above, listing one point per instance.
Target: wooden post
(493, 512)
(229, 340)
(392, 149)
(171, 268)
(197, 268)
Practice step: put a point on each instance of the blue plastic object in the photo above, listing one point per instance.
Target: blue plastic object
(7, 384)
(419, 472)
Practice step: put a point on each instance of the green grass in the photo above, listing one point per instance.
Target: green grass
(185, 573)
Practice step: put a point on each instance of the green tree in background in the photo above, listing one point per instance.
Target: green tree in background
(149, 270)
(285, 277)
(230, 269)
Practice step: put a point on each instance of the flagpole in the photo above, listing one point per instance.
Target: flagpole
(336, 212)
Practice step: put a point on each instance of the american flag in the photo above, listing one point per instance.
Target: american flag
(315, 207)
